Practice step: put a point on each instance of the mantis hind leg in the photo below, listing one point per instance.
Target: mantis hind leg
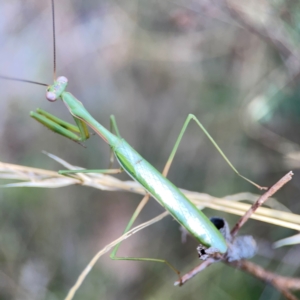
(142, 204)
(113, 254)
(171, 157)
(165, 172)
(78, 133)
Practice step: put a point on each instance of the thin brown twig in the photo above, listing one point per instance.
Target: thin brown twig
(195, 271)
(289, 283)
(269, 193)
(281, 283)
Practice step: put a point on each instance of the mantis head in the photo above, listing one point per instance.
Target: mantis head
(54, 91)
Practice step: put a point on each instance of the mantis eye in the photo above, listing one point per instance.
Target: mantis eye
(51, 96)
(62, 79)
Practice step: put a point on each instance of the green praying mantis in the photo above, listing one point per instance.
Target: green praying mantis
(155, 183)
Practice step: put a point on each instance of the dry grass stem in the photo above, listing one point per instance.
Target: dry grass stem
(33, 177)
(91, 264)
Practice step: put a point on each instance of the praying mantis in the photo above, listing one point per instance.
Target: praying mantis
(155, 183)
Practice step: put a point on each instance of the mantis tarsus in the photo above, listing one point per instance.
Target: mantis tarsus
(154, 182)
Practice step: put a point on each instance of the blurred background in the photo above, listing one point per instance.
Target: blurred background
(150, 63)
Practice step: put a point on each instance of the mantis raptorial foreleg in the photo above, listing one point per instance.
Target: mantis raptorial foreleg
(77, 133)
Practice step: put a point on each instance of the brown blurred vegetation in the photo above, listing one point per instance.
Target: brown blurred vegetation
(150, 63)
